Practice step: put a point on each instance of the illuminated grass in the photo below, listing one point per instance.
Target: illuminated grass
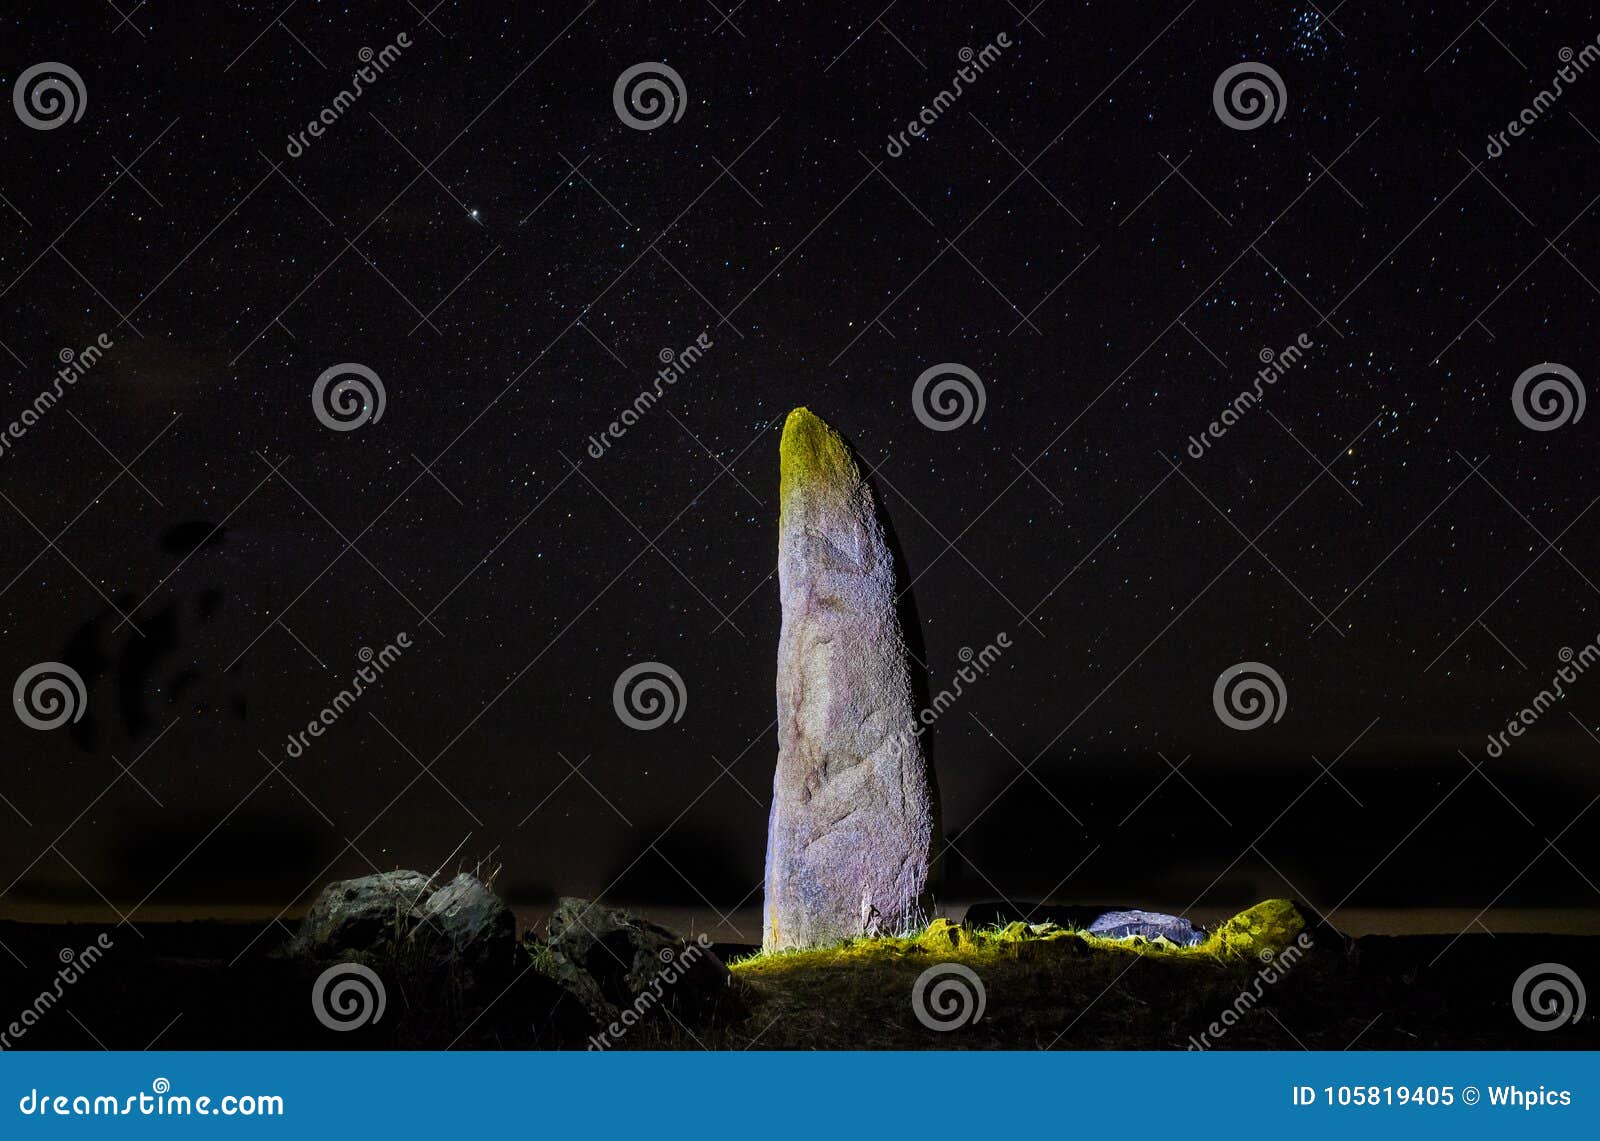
(1045, 987)
(1267, 927)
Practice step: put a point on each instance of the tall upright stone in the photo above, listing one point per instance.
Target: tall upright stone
(849, 843)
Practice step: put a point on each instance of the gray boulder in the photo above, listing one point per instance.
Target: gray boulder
(461, 927)
(1150, 925)
(854, 811)
(370, 915)
(478, 930)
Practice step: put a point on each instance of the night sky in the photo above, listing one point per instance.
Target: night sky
(1080, 228)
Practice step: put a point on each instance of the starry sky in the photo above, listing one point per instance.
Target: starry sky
(1080, 228)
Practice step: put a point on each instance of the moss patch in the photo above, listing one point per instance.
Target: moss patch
(1257, 932)
(1046, 986)
(1268, 926)
(812, 453)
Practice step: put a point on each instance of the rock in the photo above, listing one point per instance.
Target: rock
(1261, 931)
(368, 915)
(625, 969)
(1149, 925)
(1103, 921)
(480, 931)
(854, 810)
(943, 937)
(461, 929)
(1073, 917)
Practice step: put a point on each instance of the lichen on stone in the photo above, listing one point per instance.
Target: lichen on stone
(812, 453)
(1259, 931)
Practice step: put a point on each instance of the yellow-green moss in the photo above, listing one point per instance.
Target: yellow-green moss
(811, 453)
(1268, 926)
(1257, 932)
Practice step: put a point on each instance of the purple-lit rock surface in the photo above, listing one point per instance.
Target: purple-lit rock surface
(1147, 925)
(849, 842)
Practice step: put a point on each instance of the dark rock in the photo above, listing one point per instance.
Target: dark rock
(625, 969)
(479, 931)
(370, 915)
(460, 928)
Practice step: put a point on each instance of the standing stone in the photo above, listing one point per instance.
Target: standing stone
(849, 844)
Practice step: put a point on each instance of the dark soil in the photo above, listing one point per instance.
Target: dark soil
(207, 985)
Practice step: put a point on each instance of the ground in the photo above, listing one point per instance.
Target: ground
(1261, 982)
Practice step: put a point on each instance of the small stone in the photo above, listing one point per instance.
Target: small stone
(1148, 925)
